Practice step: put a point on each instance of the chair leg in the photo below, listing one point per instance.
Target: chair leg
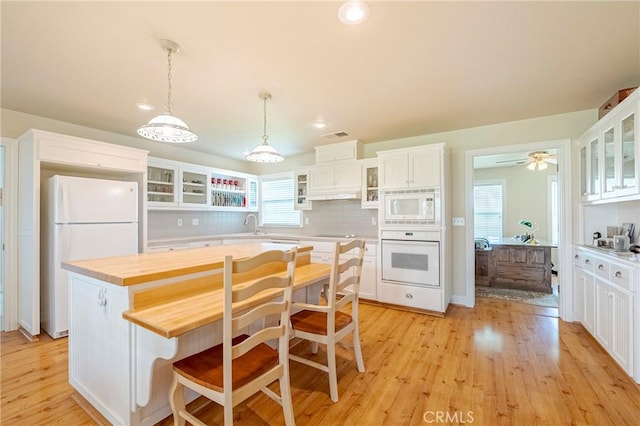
(176, 400)
(228, 415)
(314, 347)
(357, 349)
(333, 374)
(285, 396)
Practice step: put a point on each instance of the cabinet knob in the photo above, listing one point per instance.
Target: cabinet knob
(587, 261)
(618, 274)
(576, 256)
(409, 296)
(601, 266)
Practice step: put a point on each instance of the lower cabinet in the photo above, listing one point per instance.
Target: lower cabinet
(369, 275)
(604, 293)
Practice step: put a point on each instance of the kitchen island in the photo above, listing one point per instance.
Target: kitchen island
(511, 263)
(132, 316)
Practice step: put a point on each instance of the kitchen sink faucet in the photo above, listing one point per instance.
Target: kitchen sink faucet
(255, 222)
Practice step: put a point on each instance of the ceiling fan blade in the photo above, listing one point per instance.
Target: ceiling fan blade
(512, 161)
(552, 160)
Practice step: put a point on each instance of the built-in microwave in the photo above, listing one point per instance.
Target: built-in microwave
(411, 207)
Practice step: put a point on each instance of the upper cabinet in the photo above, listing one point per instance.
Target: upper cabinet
(350, 150)
(608, 154)
(301, 182)
(410, 168)
(176, 185)
(339, 177)
(369, 183)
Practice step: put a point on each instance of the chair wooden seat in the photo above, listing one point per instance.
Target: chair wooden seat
(327, 325)
(244, 364)
(206, 367)
(316, 322)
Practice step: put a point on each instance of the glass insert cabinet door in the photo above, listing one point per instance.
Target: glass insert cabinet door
(161, 185)
(628, 136)
(610, 184)
(594, 179)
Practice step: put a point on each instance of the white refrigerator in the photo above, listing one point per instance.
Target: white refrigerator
(82, 218)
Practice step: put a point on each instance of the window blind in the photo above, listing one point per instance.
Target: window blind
(487, 214)
(276, 205)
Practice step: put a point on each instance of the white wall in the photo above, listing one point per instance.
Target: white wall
(526, 197)
(561, 126)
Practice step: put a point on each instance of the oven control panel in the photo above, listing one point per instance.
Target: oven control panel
(410, 235)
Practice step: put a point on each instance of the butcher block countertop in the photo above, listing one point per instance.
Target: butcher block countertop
(147, 267)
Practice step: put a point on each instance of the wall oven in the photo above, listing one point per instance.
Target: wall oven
(411, 258)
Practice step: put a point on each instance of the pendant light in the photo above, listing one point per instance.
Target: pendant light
(264, 153)
(167, 127)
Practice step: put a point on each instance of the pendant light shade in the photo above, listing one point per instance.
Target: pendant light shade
(264, 153)
(167, 127)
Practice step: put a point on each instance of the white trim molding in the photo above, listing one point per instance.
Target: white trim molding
(10, 234)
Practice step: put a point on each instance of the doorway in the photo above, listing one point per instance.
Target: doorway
(523, 216)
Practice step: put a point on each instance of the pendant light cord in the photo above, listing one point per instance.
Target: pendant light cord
(264, 130)
(169, 51)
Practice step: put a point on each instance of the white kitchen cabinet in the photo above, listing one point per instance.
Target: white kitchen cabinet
(199, 188)
(608, 154)
(161, 184)
(342, 177)
(209, 243)
(608, 290)
(369, 183)
(301, 188)
(349, 150)
(168, 247)
(369, 274)
(42, 154)
(410, 168)
(619, 135)
(252, 192)
(193, 186)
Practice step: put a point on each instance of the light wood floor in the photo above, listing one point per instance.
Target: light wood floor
(501, 363)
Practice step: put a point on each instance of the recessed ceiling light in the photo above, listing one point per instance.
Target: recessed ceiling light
(354, 12)
(319, 124)
(144, 107)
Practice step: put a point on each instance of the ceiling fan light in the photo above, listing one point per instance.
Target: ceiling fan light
(531, 166)
(542, 165)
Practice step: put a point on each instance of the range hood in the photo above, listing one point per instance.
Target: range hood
(351, 195)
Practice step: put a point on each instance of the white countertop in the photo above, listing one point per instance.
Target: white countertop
(624, 256)
(251, 235)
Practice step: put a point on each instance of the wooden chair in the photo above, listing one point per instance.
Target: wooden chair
(242, 365)
(328, 324)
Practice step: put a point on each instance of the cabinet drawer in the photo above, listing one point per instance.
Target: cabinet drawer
(587, 262)
(414, 297)
(601, 268)
(622, 276)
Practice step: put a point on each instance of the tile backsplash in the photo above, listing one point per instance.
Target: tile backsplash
(339, 217)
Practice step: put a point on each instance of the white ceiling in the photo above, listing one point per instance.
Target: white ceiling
(413, 68)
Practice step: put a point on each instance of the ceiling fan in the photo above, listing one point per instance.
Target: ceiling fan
(537, 160)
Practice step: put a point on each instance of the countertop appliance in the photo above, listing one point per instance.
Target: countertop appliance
(82, 219)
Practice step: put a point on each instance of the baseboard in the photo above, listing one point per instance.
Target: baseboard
(28, 335)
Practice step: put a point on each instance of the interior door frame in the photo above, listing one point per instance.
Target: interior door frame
(563, 147)
(10, 235)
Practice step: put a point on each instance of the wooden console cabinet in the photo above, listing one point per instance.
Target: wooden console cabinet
(515, 265)
(522, 267)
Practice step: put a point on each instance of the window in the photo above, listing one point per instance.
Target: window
(276, 205)
(553, 209)
(488, 202)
